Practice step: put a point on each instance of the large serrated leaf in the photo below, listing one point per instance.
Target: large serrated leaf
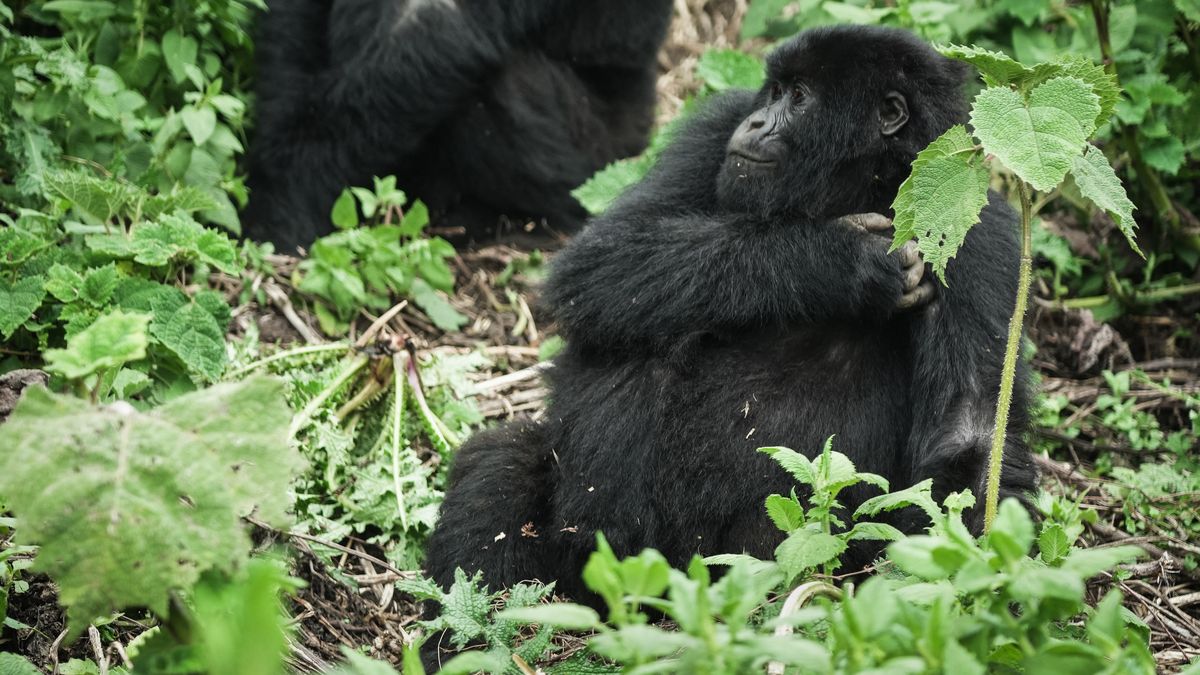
(603, 188)
(99, 198)
(1097, 181)
(193, 335)
(18, 302)
(1039, 139)
(998, 69)
(126, 506)
(111, 341)
(1103, 83)
(807, 549)
(941, 200)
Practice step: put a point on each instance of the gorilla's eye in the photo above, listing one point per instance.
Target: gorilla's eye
(776, 91)
(797, 94)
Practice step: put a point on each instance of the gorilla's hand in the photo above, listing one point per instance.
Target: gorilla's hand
(918, 290)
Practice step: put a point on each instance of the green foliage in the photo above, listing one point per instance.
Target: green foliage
(359, 267)
(467, 611)
(127, 506)
(110, 342)
(816, 535)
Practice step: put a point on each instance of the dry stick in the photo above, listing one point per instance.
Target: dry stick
(98, 649)
(379, 323)
(281, 301)
(54, 646)
(523, 666)
(344, 549)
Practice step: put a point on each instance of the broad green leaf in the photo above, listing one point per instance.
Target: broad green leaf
(998, 69)
(941, 200)
(561, 615)
(63, 282)
(793, 462)
(126, 506)
(1191, 10)
(344, 215)
(1088, 562)
(1040, 139)
(1103, 83)
(785, 512)
(436, 306)
(875, 532)
(603, 188)
(12, 664)
(640, 642)
(199, 122)
(415, 219)
(1011, 534)
(807, 549)
(193, 335)
(1053, 543)
(18, 302)
(100, 198)
(1098, 182)
(792, 650)
(919, 495)
(178, 51)
(357, 664)
(111, 341)
(723, 69)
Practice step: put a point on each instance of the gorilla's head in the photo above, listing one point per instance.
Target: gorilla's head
(843, 113)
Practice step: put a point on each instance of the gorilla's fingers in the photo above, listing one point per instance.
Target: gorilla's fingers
(871, 222)
(913, 275)
(909, 254)
(917, 297)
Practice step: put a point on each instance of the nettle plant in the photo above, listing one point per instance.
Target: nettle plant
(1036, 122)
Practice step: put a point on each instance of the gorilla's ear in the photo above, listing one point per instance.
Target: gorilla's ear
(893, 113)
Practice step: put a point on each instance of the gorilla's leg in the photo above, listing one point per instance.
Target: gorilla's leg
(496, 502)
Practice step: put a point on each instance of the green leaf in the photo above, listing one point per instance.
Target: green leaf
(12, 664)
(793, 462)
(100, 198)
(1088, 562)
(1011, 534)
(997, 68)
(111, 341)
(941, 200)
(561, 615)
(1191, 10)
(1102, 82)
(1040, 139)
(807, 549)
(415, 219)
(919, 495)
(199, 122)
(63, 282)
(785, 512)
(1098, 182)
(18, 302)
(723, 69)
(193, 335)
(178, 51)
(436, 306)
(127, 505)
(1053, 543)
(874, 532)
(345, 213)
(603, 188)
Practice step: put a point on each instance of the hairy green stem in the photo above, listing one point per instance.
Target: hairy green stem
(1009, 372)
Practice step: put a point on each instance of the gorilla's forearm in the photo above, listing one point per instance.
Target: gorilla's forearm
(636, 284)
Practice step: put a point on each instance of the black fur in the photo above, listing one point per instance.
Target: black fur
(706, 318)
(480, 108)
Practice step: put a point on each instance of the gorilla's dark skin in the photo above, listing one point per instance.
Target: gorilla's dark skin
(482, 108)
(724, 304)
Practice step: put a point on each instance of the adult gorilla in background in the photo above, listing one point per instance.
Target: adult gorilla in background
(482, 108)
(742, 295)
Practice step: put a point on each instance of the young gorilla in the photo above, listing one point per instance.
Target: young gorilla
(742, 296)
(481, 108)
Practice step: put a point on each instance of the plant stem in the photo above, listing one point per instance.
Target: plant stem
(1152, 295)
(1009, 372)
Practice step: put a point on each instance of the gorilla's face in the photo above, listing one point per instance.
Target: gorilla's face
(816, 140)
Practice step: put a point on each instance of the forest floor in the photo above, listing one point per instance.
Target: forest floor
(1072, 351)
